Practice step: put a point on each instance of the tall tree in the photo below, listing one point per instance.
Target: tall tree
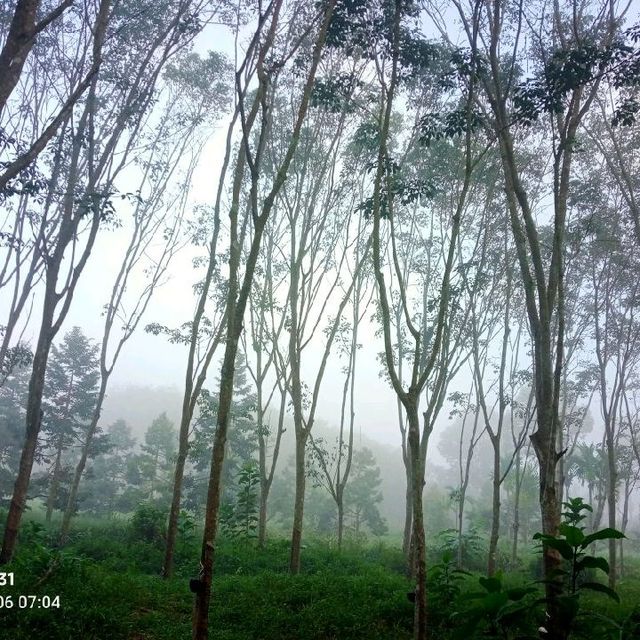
(428, 327)
(616, 332)
(158, 216)
(259, 211)
(266, 324)
(565, 94)
(108, 119)
(70, 395)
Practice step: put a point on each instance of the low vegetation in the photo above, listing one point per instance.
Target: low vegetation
(361, 591)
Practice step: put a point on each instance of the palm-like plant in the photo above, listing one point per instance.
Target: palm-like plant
(588, 465)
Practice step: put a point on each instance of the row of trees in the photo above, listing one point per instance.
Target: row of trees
(106, 77)
(482, 195)
(122, 475)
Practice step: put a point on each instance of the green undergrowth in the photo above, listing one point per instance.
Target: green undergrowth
(109, 588)
(99, 603)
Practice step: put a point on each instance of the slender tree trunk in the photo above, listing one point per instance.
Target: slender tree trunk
(55, 481)
(298, 505)
(408, 513)
(612, 482)
(495, 511)
(516, 511)
(266, 478)
(460, 520)
(340, 502)
(623, 524)
(174, 513)
(418, 537)
(262, 462)
(203, 589)
(262, 517)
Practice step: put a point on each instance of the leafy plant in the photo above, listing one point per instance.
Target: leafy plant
(471, 546)
(443, 584)
(571, 543)
(186, 525)
(240, 519)
(247, 499)
(499, 612)
(148, 523)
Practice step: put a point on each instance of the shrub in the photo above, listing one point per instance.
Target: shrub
(148, 524)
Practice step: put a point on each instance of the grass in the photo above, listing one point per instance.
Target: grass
(109, 588)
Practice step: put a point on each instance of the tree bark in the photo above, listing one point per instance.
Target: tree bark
(298, 506)
(418, 538)
(495, 511)
(55, 481)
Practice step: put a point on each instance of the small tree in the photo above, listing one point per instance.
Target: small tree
(363, 494)
(107, 479)
(157, 457)
(239, 519)
(571, 543)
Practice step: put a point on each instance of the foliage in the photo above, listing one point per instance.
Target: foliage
(156, 461)
(241, 441)
(471, 553)
(112, 481)
(571, 543)
(148, 523)
(13, 394)
(357, 593)
(498, 611)
(240, 519)
(186, 526)
(444, 587)
(363, 494)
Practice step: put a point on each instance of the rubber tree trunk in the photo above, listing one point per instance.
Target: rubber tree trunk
(495, 512)
(176, 496)
(262, 465)
(266, 477)
(612, 482)
(262, 517)
(408, 513)
(298, 506)
(17, 46)
(203, 589)
(236, 309)
(55, 482)
(624, 523)
(340, 504)
(550, 512)
(516, 511)
(459, 526)
(418, 538)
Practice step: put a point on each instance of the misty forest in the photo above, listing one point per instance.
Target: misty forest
(320, 319)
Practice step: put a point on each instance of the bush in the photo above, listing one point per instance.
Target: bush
(148, 524)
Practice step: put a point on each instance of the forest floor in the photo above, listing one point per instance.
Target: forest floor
(109, 589)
